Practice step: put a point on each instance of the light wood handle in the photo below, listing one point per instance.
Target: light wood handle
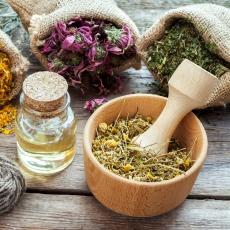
(189, 87)
(157, 137)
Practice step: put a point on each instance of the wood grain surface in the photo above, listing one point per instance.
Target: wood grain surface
(64, 201)
(41, 211)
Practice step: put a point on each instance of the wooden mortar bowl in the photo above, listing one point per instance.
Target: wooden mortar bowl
(135, 198)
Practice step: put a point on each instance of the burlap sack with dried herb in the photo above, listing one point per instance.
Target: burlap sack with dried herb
(41, 17)
(209, 25)
(11, 79)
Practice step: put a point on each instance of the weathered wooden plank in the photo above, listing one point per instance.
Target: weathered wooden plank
(145, 13)
(37, 211)
(212, 182)
(166, 4)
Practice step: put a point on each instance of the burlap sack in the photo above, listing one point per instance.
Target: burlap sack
(213, 23)
(19, 64)
(26, 8)
(43, 20)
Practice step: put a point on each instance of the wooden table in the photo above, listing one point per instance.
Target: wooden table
(65, 202)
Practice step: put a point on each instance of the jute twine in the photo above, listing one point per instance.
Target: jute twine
(12, 185)
(213, 23)
(40, 21)
(19, 64)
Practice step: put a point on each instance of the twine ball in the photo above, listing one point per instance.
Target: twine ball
(12, 185)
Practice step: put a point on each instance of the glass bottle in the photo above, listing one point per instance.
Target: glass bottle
(45, 125)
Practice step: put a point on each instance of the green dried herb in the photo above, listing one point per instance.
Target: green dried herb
(100, 52)
(180, 41)
(114, 149)
(113, 33)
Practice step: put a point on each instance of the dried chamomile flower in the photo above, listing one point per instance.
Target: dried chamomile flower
(114, 149)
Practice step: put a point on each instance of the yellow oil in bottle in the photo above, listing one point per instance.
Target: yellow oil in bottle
(47, 146)
(46, 124)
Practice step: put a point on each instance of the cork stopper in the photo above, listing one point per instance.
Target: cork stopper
(44, 91)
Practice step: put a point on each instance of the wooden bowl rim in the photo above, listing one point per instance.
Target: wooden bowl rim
(88, 150)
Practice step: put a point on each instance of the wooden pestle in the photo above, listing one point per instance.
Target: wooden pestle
(189, 87)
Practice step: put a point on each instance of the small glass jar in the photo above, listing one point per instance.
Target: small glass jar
(45, 125)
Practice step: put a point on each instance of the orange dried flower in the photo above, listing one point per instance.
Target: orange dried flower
(7, 118)
(6, 78)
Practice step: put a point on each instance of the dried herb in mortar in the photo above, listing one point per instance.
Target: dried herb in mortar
(180, 41)
(113, 148)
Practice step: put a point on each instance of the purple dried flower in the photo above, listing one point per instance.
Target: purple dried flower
(68, 42)
(61, 30)
(86, 33)
(91, 53)
(50, 44)
(96, 54)
(82, 49)
(119, 40)
(47, 48)
(114, 50)
(92, 105)
(78, 69)
(113, 33)
(126, 39)
(55, 65)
